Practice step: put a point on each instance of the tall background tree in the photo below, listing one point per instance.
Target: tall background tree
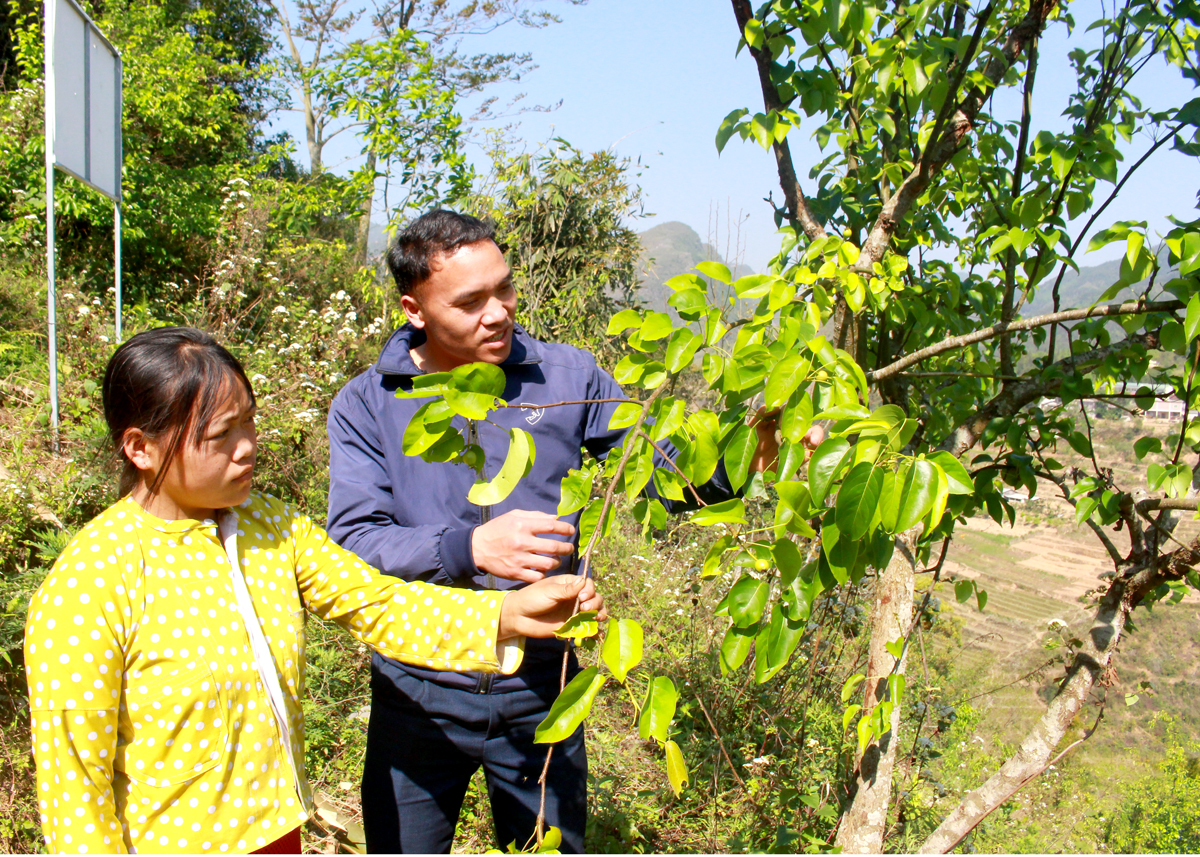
(940, 211)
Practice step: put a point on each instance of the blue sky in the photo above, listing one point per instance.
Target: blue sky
(652, 79)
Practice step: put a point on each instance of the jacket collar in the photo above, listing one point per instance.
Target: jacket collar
(396, 359)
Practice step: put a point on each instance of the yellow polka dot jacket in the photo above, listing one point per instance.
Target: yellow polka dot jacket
(153, 729)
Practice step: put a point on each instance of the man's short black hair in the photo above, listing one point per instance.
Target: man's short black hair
(434, 232)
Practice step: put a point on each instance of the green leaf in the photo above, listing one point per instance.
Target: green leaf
(516, 467)
(753, 34)
(656, 326)
(1146, 445)
(735, 648)
(426, 427)
(895, 648)
(840, 553)
(787, 559)
(551, 841)
(848, 715)
(579, 627)
(589, 519)
(917, 496)
(824, 465)
(669, 484)
(574, 491)
(570, 708)
(753, 286)
(980, 598)
(623, 320)
(716, 271)
(670, 416)
(858, 499)
(1172, 338)
(796, 419)
(624, 415)
(791, 458)
(1191, 325)
(622, 649)
(1084, 508)
(866, 729)
(712, 560)
(1061, 162)
(681, 349)
(728, 126)
(449, 444)
(689, 303)
(677, 772)
(483, 378)
(746, 600)
(739, 454)
(729, 512)
(661, 699)
(785, 378)
(851, 684)
(957, 475)
(963, 589)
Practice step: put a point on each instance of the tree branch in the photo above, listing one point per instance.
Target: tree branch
(954, 342)
(1011, 399)
(797, 204)
(1088, 667)
(946, 144)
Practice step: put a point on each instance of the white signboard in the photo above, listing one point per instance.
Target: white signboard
(83, 139)
(83, 80)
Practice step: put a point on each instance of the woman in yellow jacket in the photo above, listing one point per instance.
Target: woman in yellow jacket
(165, 649)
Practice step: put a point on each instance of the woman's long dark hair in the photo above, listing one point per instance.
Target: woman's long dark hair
(167, 382)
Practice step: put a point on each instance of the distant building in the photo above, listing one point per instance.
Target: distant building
(1169, 408)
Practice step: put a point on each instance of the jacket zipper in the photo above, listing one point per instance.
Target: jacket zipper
(483, 684)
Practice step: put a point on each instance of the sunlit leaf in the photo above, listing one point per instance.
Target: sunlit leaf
(659, 709)
(570, 707)
(579, 627)
(622, 649)
(517, 464)
(677, 772)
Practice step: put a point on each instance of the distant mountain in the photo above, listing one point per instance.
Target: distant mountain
(670, 249)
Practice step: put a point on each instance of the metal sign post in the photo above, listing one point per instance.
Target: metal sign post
(83, 139)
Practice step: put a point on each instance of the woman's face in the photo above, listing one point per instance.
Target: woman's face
(215, 474)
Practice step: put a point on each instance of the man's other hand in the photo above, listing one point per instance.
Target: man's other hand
(539, 610)
(509, 547)
(766, 455)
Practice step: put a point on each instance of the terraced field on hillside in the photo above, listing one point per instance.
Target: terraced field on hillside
(1041, 570)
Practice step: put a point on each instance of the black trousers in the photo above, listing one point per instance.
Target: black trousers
(425, 742)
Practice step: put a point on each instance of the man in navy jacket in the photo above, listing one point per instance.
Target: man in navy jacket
(430, 731)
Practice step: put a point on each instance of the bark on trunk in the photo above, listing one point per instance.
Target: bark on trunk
(1088, 667)
(1036, 750)
(364, 219)
(865, 821)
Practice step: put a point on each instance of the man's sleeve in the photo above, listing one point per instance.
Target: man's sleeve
(362, 503)
(600, 440)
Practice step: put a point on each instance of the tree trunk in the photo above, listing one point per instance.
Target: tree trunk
(865, 821)
(364, 219)
(1089, 667)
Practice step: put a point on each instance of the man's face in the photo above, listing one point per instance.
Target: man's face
(466, 308)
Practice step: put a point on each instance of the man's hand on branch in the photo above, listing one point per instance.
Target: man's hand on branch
(538, 610)
(509, 546)
(766, 455)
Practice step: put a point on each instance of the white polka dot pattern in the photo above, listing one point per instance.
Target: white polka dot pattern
(151, 729)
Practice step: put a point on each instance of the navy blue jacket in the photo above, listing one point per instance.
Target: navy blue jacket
(412, 519)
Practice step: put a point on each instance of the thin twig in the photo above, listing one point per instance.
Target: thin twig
(720, 743)
(674, 466)
(585, 563)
